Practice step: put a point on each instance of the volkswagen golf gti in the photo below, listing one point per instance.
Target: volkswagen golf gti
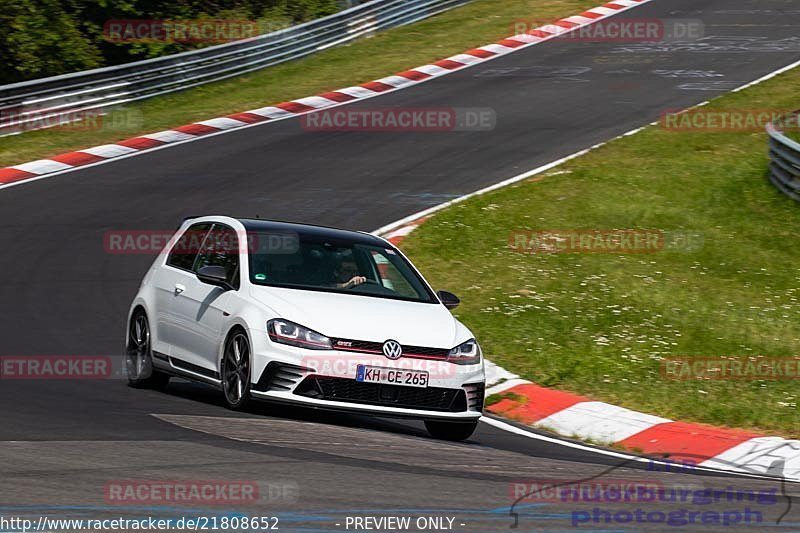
(304, 314)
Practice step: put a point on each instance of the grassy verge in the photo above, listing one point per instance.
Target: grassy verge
(476, 24)
(600, 323)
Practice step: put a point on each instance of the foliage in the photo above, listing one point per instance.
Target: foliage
(40, 38)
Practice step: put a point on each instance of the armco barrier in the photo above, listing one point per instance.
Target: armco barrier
(784, 166)
(58, 99)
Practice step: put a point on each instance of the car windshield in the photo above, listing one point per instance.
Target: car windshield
(312, 262)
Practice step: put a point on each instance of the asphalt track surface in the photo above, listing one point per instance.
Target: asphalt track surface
(61, 442)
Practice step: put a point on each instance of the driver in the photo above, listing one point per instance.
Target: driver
(347, 275)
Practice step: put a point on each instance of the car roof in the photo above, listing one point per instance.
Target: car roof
(319, 232)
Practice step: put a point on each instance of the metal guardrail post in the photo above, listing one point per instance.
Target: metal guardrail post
(784, 166)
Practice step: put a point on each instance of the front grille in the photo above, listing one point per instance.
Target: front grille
(280, 377)
(352, 391)
(475, 394)
(421, 352)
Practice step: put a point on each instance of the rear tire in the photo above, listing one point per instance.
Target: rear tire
(454, 431)
(139, 356)
(235, 370)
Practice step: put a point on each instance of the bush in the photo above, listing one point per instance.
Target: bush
(40, 38)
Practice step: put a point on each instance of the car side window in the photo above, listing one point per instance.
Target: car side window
(184, 253)
(221, 248)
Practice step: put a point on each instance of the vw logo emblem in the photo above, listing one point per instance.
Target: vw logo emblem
(392, 349)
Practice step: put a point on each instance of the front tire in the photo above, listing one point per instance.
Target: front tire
(454, 431)
(139, 356)
(235, 371)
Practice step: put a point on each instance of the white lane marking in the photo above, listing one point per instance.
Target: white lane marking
(499, 424)
(600, 421)
(767, 77)
(405, 220)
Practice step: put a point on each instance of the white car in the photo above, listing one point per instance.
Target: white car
(304, 314)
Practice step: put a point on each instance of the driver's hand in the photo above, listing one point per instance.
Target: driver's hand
(356, 280)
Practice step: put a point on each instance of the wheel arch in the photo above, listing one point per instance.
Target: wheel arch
(136, 306)
(236, 326)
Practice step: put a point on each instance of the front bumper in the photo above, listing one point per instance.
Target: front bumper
(326, 380)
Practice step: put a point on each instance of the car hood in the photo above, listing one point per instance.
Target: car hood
(366, 318)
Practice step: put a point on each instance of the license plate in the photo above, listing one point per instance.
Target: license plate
(391, 376)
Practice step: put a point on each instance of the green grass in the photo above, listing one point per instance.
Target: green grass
(476, 24)
(793, 134)
(599, 324)
(792, 131)
(494, 398)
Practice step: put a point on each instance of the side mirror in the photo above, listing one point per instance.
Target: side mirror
(214, 275)
(449, 299)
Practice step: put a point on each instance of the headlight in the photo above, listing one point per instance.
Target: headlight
(467, 353)
(285, 332)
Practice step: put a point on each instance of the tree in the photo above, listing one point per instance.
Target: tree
(41, 38)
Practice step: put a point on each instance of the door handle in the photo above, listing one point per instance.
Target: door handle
(179, 288)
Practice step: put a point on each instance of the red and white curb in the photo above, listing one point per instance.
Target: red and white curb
(698, 444)
(91, 156)
(576, 416)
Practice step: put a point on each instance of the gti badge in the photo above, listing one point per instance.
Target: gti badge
(392, 349)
